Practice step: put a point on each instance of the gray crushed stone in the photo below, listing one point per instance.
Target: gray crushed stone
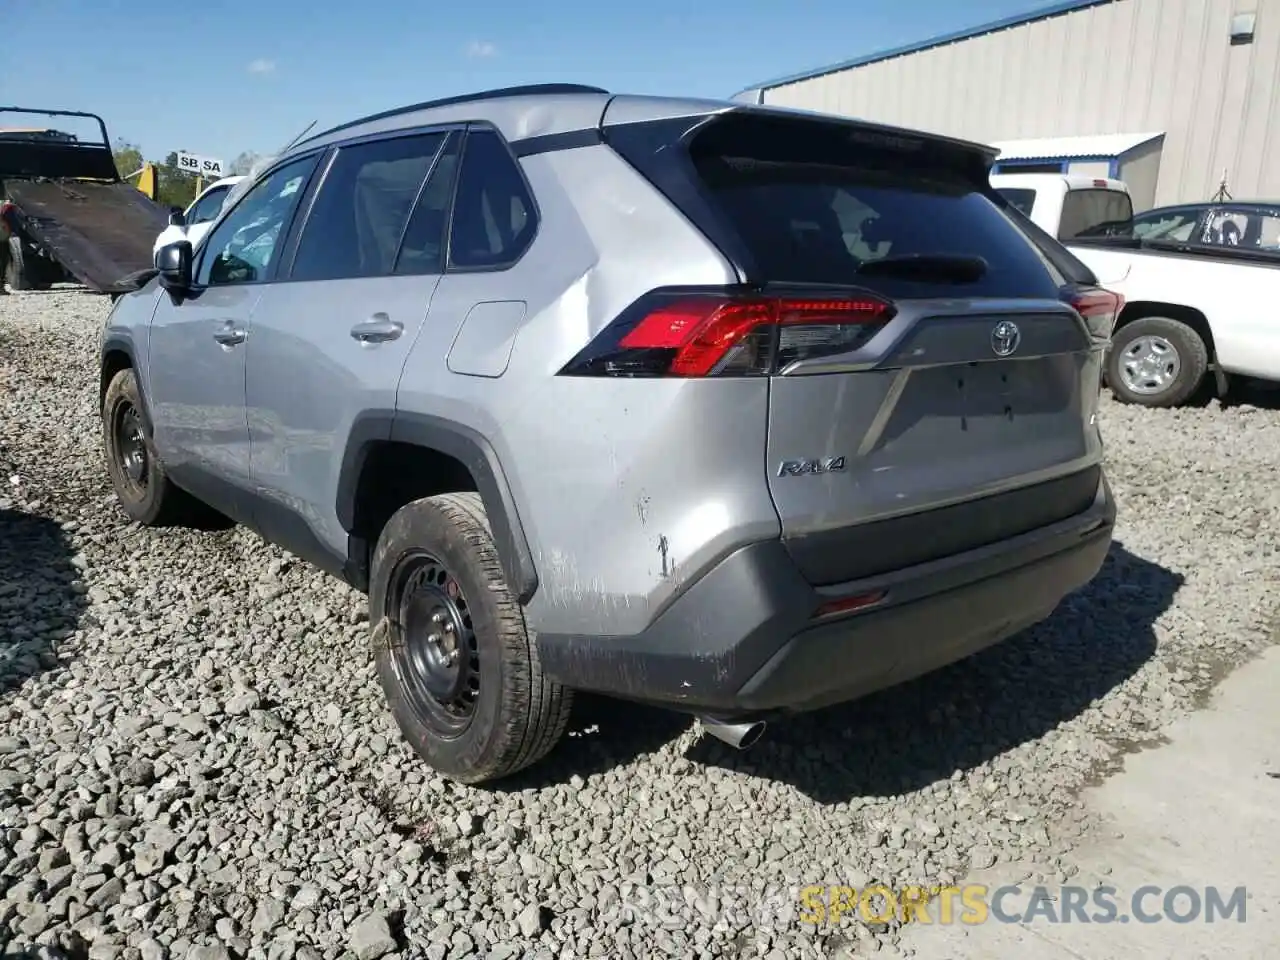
(195, 760)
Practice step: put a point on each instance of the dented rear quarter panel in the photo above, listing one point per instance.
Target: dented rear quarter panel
(627, 489)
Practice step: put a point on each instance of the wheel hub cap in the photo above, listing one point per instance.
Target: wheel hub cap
(1150, 365)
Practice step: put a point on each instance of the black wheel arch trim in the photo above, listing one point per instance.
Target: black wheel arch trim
(465, 445)
(116, 343)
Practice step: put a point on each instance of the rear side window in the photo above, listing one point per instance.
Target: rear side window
(1022, 199)
(1085, 211)
(493, 216)
(816, 205)
(422, 250)
(362, 207)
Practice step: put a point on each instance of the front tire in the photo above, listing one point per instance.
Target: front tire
(142, 487)
(453, 654)
(1156, 362)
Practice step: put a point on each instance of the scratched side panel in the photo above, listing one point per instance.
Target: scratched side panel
(627, 489)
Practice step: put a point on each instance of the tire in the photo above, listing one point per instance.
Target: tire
(1175, 356)
(143, 489)
(506, 715)
(22, 273)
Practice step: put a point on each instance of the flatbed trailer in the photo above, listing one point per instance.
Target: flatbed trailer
(66, 214)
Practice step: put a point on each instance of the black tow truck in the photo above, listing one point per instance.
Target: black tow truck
(66, 215)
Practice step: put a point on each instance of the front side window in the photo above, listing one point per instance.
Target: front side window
(241, 248)
(360, 211)
(1177, 225)
(493, 215)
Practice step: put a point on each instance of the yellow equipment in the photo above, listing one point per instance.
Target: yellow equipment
(147, 182)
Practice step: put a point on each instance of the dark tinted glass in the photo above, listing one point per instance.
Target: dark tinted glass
(362, 206)
(1085, 211)
(817, 206)
(1023, 200)
(1251, 228)
(422, 250)
(493, 215)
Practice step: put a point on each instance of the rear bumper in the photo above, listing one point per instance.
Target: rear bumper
(742, 642)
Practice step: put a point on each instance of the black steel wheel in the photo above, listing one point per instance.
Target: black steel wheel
(438, 661)
(456, 662)
(141, 485)
(131, 444)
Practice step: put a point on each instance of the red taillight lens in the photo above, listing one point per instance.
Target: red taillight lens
(6, 211)
(1099, 308)
(701, 335)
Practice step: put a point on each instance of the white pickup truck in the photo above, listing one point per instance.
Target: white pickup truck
(1200, 282)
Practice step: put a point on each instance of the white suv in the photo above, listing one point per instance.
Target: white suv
(198, 217)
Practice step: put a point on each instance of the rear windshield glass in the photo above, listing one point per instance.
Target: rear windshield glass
(1023, 200)
(816, 209)
(1091, 212)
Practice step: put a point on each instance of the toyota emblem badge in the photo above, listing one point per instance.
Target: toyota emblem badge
(1005, 337)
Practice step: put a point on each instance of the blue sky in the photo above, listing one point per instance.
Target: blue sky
(217, 77)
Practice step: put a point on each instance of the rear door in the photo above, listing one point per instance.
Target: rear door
(330, 343)
(957, 410)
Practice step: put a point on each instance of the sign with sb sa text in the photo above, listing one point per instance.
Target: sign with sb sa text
(201, 166)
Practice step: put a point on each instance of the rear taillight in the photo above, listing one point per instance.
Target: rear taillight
(6, 213)
(1099, 308)
(714, 334)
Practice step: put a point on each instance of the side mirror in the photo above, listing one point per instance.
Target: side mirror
(174, 263)
(176, 217)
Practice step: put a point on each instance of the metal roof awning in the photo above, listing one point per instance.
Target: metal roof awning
(1060, 148)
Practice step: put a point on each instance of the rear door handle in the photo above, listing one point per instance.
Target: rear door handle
(377, 329)
(229, 334)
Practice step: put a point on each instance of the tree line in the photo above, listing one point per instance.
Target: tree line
(175, 187)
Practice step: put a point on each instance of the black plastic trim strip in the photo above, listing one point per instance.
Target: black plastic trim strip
(551, 142)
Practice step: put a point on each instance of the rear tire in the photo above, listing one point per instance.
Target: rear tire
(22, 273)
(141, 485)
(1156, 362)
(453, 654)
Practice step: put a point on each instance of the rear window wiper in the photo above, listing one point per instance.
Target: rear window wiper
(958, 268)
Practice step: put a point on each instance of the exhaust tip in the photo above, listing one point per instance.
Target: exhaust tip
(740, 736)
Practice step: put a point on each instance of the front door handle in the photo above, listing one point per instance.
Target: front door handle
(377, 329)
(229, 334)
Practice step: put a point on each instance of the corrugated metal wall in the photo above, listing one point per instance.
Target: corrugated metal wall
(1124, 67)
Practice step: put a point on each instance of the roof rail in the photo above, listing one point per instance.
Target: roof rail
(529, 90)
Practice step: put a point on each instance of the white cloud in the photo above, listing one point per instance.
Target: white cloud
(481, 48)
(262, 65)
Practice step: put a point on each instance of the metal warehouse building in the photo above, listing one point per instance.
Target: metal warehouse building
(1165, 94)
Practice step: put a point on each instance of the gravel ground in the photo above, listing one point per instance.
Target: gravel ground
(195, 760)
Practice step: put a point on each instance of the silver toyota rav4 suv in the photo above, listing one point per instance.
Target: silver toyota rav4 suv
(730, 409)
